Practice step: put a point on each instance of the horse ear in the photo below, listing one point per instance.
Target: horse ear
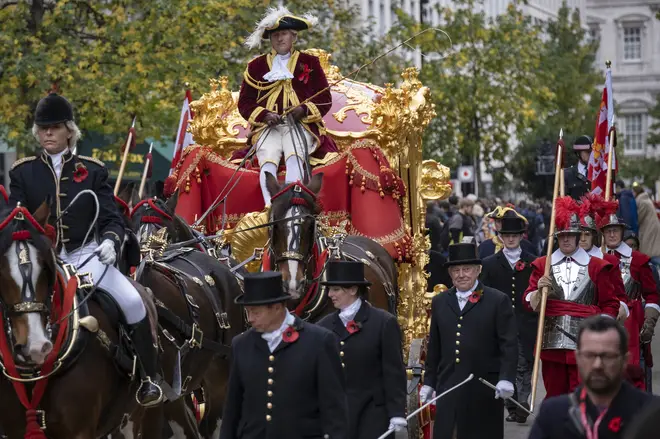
(42, 213)
(315, 183)
(172, 202)
(271, 184)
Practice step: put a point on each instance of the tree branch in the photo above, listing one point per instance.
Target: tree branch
(7, 4)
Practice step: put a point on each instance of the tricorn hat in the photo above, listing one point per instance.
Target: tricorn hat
(276, 19)
(53, 109)
(345, 273)
(513, 223)
(582, 143)
(463, 254)
(262, 289)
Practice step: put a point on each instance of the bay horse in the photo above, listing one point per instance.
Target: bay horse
(147, 217)
(71, 383)
(296, 250)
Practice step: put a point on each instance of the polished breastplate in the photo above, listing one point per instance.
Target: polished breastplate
(632, 287)
(583, 292)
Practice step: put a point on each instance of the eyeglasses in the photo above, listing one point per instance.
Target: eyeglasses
(605, 357)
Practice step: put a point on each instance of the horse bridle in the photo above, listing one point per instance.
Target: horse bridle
(28, 301)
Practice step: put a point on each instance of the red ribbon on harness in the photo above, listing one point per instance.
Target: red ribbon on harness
(311, 291)
(151, 204)
(32, 428)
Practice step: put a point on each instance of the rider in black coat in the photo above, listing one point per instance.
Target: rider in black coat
(369, 340)
(575, 177)
(286, 382)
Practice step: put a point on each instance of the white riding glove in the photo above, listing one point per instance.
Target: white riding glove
(398, 424)
(106, 252)
(503, 389)
(425, 394)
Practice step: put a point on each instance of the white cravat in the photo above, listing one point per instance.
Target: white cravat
(57, 160)
(512, 255)
(463, 296)
(279, 71)
(275, 338)
(582, 168)
(347, 314)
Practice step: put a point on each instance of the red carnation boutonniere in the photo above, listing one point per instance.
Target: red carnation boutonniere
(476, 296)
(615, 424)
(290, 335)
(304, 76)
(80, 174)
(352, 327)
(520, 265)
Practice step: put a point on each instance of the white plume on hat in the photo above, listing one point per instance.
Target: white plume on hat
(269, 20)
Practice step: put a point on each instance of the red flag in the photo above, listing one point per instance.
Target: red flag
(183, 137)
(597, 169)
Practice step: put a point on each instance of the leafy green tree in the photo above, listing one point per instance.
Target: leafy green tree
(115, 59)
(575, 88)
(485, 85)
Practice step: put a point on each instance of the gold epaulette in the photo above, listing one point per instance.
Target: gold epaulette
(91, 159)
(21, 161)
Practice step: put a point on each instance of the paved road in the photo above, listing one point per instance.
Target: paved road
(517, 431)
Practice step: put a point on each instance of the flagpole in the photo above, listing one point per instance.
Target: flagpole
(562, 184)
(544, 291)
(610, 157)
(147, 164)
(124, 159)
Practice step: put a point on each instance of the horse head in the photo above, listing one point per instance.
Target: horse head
(292, 236)
(152, 214)
(27, 275)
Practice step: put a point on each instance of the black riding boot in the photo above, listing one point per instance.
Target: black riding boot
(149, 393)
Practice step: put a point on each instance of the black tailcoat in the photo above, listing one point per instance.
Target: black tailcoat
(575, 184)
(497, 273)
(480, 339)
(33, 181)
(555, 420)
(375, 375)
(298, 391)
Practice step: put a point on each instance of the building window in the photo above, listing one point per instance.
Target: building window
(632, 43)
(634, 134)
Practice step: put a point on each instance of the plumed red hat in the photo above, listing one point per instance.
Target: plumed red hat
(567, 213)
(606, 215)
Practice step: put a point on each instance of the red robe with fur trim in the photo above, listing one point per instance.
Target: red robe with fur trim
(254, 100)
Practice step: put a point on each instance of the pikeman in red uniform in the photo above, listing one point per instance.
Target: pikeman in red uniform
(578, 287)
(284, 79)
(639, 285)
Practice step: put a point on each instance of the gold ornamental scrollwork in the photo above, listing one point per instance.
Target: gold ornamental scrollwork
(248, 235)
(435, 181)
(217, 119)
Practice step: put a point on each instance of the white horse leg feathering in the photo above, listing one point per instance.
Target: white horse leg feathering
(410, 416)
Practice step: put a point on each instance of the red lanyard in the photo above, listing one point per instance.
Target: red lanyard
(591, 434)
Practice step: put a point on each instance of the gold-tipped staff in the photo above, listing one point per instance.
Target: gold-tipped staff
(544, 291)
(124, 159)
(145, 173)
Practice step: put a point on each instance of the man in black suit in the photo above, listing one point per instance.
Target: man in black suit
(473, 330)
(575, 177)
(369, 341)
(286, 378)
(508, 271)
(604, 405)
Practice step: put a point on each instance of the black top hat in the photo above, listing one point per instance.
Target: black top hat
(53, 109)
(512, 223)
(262, 289)
(582, 143)
(463, 254)
(345, 273)
(287, 22)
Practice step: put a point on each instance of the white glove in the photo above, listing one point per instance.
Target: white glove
(398, 424)
(503, 389)
(106, 252)
(425, 394)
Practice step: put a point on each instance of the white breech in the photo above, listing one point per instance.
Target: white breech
(114, 282)
(276, 142)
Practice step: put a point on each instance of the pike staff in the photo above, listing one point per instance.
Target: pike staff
(145, 173)
(124, 160)
(544, 291)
